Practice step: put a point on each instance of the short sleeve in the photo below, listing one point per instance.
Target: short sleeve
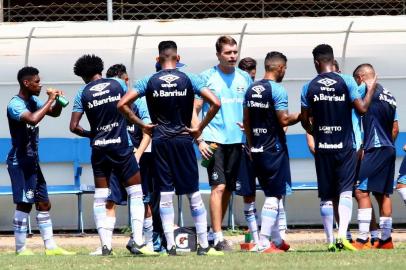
(197, 83)
(141, 85)
(16, 108)
(77, 103)
(303, 96)
(396, 117)
(39, 102)
(121, 82)
(280, 97)
(352, 86)
(142, 108)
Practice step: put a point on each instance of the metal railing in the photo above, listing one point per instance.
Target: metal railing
(19, 11)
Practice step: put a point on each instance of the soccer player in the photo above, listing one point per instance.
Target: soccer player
(327, 103)
(24, 113)
(229, 84)
(118, 194)
(378, 164)
(112, 150)
(356, 122)
(170, 95)
(249, 65)
(265, 115)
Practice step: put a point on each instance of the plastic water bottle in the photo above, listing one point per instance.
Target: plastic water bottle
(206, 162)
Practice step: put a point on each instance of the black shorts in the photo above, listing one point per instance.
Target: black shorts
(120, 161)
(245, 184)
(273, 171)
(335, 173)
(27, 181)
(377, 170)
(175, 164)
(223, 169)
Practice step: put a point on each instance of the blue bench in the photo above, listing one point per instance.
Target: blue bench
(59, 150)
(77, 152)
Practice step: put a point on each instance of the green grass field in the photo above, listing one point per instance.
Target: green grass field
(304, 257)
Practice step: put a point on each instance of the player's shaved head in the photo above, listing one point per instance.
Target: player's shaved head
(274, 60)
(365, 69)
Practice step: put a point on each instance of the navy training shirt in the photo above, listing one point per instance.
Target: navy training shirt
(329, 96)
(378, 121)
(170, 95)
(263, 99)
(98, 99)
(24, 137)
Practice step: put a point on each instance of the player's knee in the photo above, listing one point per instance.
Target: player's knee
(24, 207)
(361, 195)
(249, 199)
(43, 206)
(110, 205)
(218, 190)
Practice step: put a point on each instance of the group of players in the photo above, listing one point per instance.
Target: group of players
(142, 139)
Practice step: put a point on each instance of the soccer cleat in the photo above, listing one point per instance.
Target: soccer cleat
(385, 244)
(172, 251)
(331, 247)
(374, 242)
(284, 246)
(223, 246)
(106, 251)
(209, 251)
(58, 251)
(360, 244)
(140, 250)
(25, 252)
(344, 244)
(272, 249)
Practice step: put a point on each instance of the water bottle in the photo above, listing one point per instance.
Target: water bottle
(62, 100)
(206, 162)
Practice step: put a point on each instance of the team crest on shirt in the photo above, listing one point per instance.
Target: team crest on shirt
(258, 89)
(169, 79)
(29, 194)
(99, 87)
(327, 82)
